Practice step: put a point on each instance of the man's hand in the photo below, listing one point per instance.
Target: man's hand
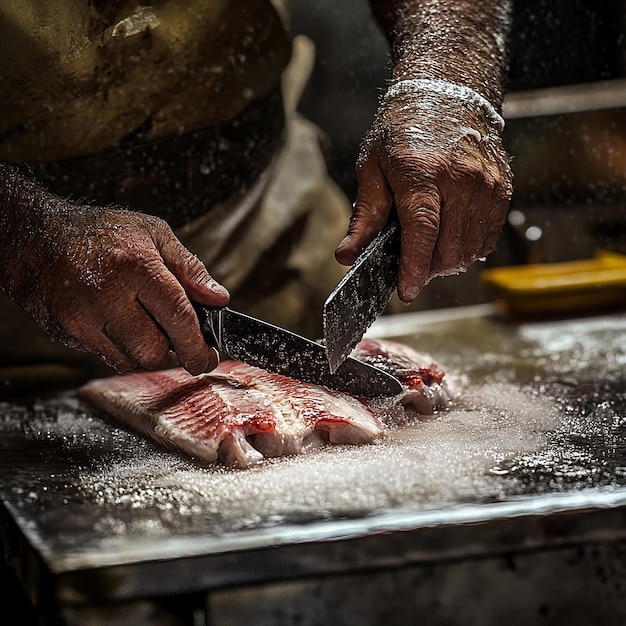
(444, 167)
(435, 150)
(112, 282)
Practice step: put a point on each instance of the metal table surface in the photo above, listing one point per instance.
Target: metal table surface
(531, 456)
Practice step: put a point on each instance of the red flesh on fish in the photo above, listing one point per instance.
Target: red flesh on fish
(241, 414)
(426, 390)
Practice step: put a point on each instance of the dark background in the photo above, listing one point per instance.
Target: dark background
(553, 42)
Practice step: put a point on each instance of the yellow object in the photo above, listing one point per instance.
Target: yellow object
(571, 286)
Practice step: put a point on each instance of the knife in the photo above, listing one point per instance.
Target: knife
(361, 295)
(270, 347)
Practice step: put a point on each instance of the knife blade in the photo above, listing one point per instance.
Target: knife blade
(361, 295)
(278, 350)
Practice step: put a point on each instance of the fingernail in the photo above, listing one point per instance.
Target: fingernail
(217, 288)
(344, 242)
(410, 293)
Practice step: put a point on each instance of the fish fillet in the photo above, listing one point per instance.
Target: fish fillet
(241, 414)
(426, 389)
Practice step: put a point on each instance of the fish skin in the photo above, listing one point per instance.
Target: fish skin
(239, 414)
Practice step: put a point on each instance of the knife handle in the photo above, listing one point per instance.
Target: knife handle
(210, 327)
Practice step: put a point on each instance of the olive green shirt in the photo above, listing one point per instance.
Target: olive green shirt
(77, 77)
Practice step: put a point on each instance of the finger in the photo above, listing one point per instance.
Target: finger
(419, 214)
(191, 273)
(102, 346)
(88, 336)
(139, 337)
(491, 239)
(478, 227)
(370, 213)
(485, 221)
(500, 200)
(461, 231)
(166, 301)
(214, 360)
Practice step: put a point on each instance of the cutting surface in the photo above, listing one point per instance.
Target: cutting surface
(541, 412)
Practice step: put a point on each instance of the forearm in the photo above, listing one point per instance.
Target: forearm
(22, 205)
(460, 41)
(434, 153)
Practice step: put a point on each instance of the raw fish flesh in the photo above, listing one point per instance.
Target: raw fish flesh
(426, 389)
(240, 414)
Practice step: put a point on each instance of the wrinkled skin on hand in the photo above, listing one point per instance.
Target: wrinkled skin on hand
(115, 283)
(441, 161)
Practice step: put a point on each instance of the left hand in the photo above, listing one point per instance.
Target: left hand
(116, 283)
(442, 163)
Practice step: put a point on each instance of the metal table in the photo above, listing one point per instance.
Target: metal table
(511, 505)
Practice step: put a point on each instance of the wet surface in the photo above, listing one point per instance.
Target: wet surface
(578, 366)
(541, 411)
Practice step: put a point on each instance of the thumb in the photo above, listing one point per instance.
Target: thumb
(369, 215)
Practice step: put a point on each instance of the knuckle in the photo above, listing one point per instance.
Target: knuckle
(127, 260)
(148, 348)
(151, 272)
(119, 257)
(425, 219)
(156, 223)
(193, 267)
(367, 215)
(155, 269)
(154, 354)
(75, 327)
(162, 234)
(496, 178)
(472, 170)
(183, 312)
(408, 165)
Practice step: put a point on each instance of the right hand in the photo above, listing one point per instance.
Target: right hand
(442, 164)
(115, 283)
